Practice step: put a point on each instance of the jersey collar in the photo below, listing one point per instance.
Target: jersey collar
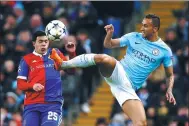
(37, 54)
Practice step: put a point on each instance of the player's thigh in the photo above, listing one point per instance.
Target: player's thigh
(105, 63)
(52, 116)
(118, 79)
(135, 110)
(31, 118)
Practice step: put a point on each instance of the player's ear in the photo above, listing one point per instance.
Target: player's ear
(155, 29)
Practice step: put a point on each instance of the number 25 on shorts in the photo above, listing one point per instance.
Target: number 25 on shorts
(52, 116)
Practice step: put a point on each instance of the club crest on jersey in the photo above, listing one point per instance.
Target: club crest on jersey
(155, 52)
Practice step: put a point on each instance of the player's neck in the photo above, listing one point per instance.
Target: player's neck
(38, 53)
(153, 38)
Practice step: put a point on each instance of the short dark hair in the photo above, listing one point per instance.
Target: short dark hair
(155, 20)
(38, 33)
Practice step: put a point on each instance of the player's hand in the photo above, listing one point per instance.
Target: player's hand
(37, 87)
(170, 97)
(109, 29)
(70, 47)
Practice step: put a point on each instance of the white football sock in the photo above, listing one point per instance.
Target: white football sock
(83, 60)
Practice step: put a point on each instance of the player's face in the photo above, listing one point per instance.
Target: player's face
(147, 28)
(41, 44)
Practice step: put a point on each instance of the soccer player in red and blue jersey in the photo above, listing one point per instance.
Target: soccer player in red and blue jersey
(42, 83)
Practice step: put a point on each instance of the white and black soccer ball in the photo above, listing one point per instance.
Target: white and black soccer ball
(55, 30)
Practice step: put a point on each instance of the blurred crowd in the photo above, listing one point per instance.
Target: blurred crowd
(19, 20)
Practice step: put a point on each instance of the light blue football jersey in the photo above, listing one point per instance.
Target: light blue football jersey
(142, 57)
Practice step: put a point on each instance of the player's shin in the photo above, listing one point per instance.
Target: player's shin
(83, 60)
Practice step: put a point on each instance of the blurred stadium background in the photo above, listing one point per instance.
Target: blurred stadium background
(88, 100)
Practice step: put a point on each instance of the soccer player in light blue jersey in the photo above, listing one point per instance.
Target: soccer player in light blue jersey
(145, 52)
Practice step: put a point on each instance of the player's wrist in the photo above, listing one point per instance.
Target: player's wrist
(31, 85)
(109, 35)
(169, 89)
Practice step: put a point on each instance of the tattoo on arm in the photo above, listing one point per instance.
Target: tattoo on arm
(170, 82)
(170, 77)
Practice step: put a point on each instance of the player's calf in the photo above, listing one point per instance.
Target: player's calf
(83, 60)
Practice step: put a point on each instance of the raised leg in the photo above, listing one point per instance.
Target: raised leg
(105, 63)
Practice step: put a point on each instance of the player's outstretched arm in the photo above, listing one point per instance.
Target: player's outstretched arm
(25, 86)
(170, 83)
(108, 41)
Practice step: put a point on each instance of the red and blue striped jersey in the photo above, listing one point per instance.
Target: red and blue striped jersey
(36, 68)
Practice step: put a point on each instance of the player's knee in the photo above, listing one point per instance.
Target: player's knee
(141, 122)
(102, 58)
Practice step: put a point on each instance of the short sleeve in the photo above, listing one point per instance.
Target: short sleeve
(23, 70)
(168, 58)
(125, 39)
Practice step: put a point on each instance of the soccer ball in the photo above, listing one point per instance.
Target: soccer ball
(55, 30)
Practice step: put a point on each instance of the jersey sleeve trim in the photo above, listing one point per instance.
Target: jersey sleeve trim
(171, 64)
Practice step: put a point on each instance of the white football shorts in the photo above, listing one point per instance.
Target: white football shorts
(120, 85)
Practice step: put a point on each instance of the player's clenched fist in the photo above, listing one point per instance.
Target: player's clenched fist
(37, 87)
(109, 28)
(170, 97)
